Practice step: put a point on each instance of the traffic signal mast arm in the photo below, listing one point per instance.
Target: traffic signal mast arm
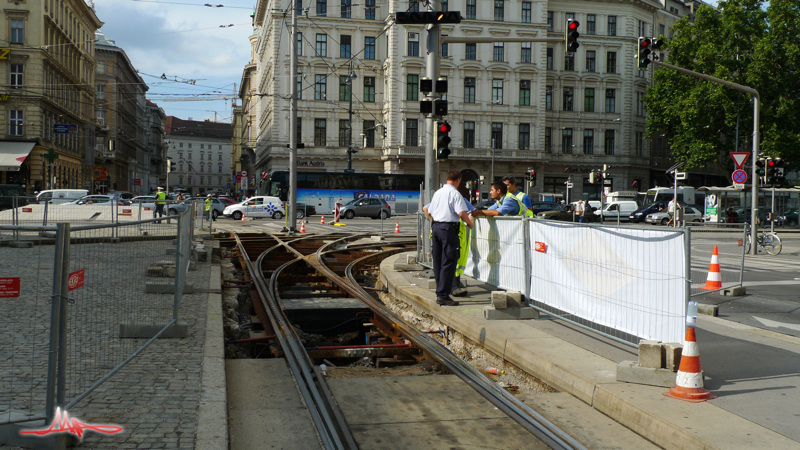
(489, 40)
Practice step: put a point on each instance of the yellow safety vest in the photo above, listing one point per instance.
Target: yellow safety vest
(528, 212)
(523, 210)
(208, 204)
(160, 196)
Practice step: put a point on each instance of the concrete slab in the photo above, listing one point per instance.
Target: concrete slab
(491, 313)
(630, 372)
(300, 304)
(425, 412)
(139, 331)
(264, 407)
(166, 288)
(20, 244)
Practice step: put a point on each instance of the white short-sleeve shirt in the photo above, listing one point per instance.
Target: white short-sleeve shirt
(446, 204)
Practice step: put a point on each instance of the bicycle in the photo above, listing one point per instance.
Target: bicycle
(767, 241)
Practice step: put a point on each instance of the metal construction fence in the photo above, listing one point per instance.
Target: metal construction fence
(625, 282)
(80, 302)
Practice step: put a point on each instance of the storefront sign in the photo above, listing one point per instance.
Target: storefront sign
(310, 164)
(577, 170)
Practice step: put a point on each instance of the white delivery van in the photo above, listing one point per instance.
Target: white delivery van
(621, 209)
(261, 206)
(59, 196)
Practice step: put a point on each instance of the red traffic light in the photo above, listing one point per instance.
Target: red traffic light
(445, 128)
(771, 163)
(645, 43)
(533, 173)
(574, 25)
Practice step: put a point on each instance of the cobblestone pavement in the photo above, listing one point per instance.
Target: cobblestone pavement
(156, 396)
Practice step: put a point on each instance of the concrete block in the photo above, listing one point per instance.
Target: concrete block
(709, 310)
(499, 300)
(651, 354)
(171, 251)
(155, 271)
(400, 267)
(174, 242)
(154, 287)
(735, 291)
(672, 353)
(515, 299)
(139, 331)
(524, 313)
(20, 244)
(378, 238)
(192, 265)
(411, 259)
(432, 284)
(630, 372)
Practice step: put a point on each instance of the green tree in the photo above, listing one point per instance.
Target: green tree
(739, 42)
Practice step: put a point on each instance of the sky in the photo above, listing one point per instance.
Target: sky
(183, 41)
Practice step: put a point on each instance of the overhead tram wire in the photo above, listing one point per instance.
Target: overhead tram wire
(207, 5)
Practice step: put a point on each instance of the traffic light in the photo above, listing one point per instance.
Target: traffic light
(440, 108)
(771, 171)
(442, 140)
(532, 178)
(643, 56)
(779, 175)
(592, 177)
(172, 167)
(571, 35)
(424, 17)
(760, 172)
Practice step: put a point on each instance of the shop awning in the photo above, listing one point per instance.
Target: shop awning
(13, 154)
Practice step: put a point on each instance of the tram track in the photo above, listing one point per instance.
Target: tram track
(331, 267)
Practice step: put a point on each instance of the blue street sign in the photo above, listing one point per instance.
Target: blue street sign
(228, 186)
(65, 128)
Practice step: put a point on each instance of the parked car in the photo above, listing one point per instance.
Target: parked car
(125, 195)
(621, 209)
(304, 210)
(690, 214)
(7, 192)
(376, 208)
(486, 204)
(789, 218)
(149, 201)
(59, 196)
(641, 214)
(564, 213)
(260, 206)
(98, 199)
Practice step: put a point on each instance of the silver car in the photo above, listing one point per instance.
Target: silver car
(376, 208)
(689, 215)
(149, 201)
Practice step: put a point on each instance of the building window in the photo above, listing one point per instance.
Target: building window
(469, 90)
(526, 12)
(411, 132)
(368, 129)
(16, 123)
(497, 92)
(471, 51)
(321, 87)
(444, 53)
(369, 48)
(344, 133)
(661, 30)
(610, 101)
(299, 87)
(499, 10)
(298, 6)
(639, 143)
(299, 130)
(180, 178)
(445, 6)
(590, 24)
(525, 56)
(322, 8)
(588, 100)
(220, 157)
(497, 135)
(640, 103)
(299, 44)
(346, 4)
(369, 89)
(17, 31)
(322, 44)
(568, 97)
(202, 154)
(100, 67)
(549, 58)
(471, 9)
(611, 62)
(202, 180)
(570, 15)
(413, 6)
(548, 139)
(548, 98)
(344, 46)
(566, 140)
(202, 146)
(525, 92)
(588, 142)
(590, 60)
(642, 28)
(344, 88)
(612, 25)
(499, 52)
(413, 44)
(569, 62)
(369, 9)
(412, 87)
(16, 81)
(320, 126)
(524, 136)
(609, 142)
(469, 134)
(549, 20)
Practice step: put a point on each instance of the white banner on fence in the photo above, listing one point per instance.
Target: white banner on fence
(497, 253)
(631, 280)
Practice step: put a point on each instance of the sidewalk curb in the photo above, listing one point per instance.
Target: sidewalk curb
(212, 416)
(633, 406)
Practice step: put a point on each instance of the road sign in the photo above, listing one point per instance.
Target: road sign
(244, 173)
(76, 279)
(739, 158)
(137, 181)
(739, 176)
(65, 128)
(9, 287)
(738, 186)
(680, 175)
(569, 185)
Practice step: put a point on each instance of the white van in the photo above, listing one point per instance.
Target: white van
(261, 206)
(621, 209)
(59, 196)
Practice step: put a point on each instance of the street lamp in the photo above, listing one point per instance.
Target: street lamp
(350, 150)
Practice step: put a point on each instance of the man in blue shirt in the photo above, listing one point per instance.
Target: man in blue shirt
(511, 183)
(507, 205)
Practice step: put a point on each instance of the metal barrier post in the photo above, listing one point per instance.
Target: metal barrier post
(687, 250)
(178, 267)
(744, 246)
(526, 238)
(54, 365)
(44, 217)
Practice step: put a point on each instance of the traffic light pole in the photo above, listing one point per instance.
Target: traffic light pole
(432, 71)
(292, 197)
(756, 109)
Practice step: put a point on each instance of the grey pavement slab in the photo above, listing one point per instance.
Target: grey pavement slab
(437, 411)
(265, 410)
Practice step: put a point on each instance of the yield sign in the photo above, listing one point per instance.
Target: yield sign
(739, 158)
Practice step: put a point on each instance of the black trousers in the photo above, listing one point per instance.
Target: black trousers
(445, 250)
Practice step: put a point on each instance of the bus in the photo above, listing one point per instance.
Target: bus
(686, 194)
(324, 189)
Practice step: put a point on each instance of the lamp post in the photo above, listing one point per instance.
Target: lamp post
(350, 150)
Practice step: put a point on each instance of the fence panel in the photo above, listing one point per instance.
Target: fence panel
(497, 253)
(627, 282)
(729, 238)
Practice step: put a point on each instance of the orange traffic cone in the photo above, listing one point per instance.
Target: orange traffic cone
(303, 227)
(397, 227)
(689, 382)
(322, 221)
(714, 280)
(243, 219)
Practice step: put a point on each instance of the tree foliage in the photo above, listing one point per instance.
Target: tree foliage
(743, 43)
